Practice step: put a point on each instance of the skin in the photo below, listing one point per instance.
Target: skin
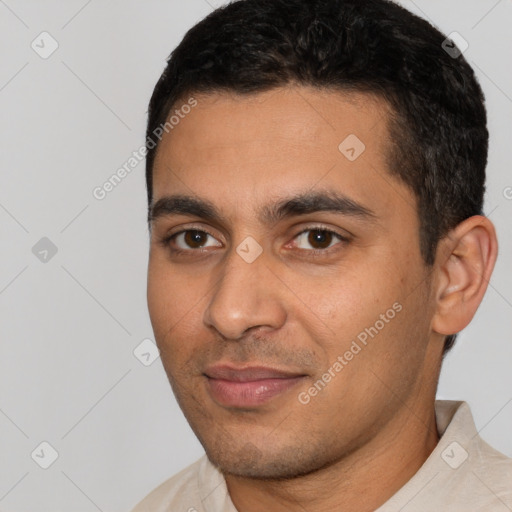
(365, 434)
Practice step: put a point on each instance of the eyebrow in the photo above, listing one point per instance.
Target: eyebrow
(269, 214)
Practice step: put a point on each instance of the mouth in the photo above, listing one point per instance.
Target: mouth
(250, 386)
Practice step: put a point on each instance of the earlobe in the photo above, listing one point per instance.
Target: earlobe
(467, 259)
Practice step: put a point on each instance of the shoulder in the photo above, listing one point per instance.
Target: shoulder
(492, 470)
(462, 473)
(180, 492)
(476, 472)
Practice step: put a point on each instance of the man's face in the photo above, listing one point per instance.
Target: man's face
(287, 346)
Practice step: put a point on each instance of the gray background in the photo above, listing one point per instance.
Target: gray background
(70, 323)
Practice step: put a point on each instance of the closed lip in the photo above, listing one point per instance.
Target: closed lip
(248, 373)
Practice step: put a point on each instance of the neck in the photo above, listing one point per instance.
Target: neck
(363, 480)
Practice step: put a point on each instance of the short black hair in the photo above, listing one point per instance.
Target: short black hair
(438, 122)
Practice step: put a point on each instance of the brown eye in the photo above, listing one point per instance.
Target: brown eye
(318, 239)
(194, 239)
(323, 238)
(189, 240)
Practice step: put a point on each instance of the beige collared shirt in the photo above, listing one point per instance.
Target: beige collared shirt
(462, 474)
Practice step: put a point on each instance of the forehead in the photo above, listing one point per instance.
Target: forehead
(251, 147)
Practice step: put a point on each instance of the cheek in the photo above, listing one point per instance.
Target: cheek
(371, 313)
(166, 301)
(350, 303)
(157, 298)
(174, 306)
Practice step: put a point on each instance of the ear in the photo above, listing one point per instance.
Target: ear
(467, 257)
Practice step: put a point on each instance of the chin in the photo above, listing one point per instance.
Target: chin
(250, 462)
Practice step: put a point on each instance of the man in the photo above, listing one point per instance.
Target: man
(315, 175)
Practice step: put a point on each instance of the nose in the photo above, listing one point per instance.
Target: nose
(246, 295)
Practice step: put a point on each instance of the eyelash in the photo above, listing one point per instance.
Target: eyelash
(166, 241)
